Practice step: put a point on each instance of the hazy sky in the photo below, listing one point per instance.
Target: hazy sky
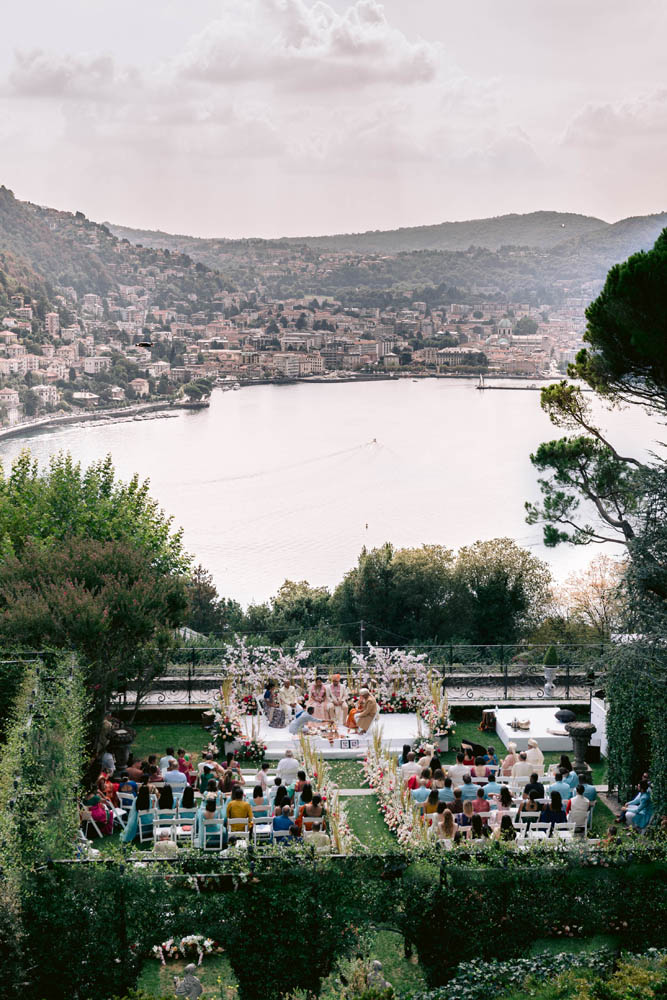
(268, 117)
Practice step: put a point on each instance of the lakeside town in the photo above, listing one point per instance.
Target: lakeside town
(86, 351)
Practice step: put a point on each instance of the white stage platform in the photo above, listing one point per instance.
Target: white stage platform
(541, 720)
(397, 729)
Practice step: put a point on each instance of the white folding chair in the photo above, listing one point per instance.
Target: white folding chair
(238, 829)
(520, 829)
(185, 826)
(537, 831)
(213, 834)
(164, 819)
(88, 821)
(262, 827)
(146, 825)
(279, 835)
(564, 831)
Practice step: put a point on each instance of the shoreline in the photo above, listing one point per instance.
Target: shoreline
(117, 414)
(114, 415)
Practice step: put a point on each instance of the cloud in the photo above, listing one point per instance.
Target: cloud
(292, 44)
(40, 74)
(614, 124)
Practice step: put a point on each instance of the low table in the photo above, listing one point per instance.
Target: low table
(541, 720)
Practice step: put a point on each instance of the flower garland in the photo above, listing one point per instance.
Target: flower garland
(394, 798)
(186, 948)
(342, 838)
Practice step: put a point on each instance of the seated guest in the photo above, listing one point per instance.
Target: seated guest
(152, 762)
(468, 790)
(589, 791)
(639, 811)
(446, 793)
(261, 778)
(166, 798)
(317, 837)
(208, 762)
(490, 757)
(425, 776)
(480, 770)
(522, 768)
(534, 755)
(174, 777)
(364, 718)
(561, 786)
(480, 804)
(492, 789)
(142, 804)
(530, 810)
(443, 827)
(154, 775)
(275, 713)
(100, 809)
(288, 768)
(205, 775)
(238, 809)
(410, 768)
(260, 804)
(435, 763)
(231, 764)
(283, 820)
(577, 810)
(127, 786)
(458, 770)
(421, 792)
(438, 779)
(166, 760)
(273, 790)
(465, 818)
(309, 812)
(210, 836)
(468, 757)
(187, 807)
(108, 788)
(164, 846)
(282, 799)
(301, 780)
(288, 696)
(304, 797)
(184, 765)
(505, 831)
(505, 798)
(294, 834)
(135, 771)
(425, 760)
(478, 828)
(403, 759)
(456, 805)
(534, 785)
(431, 804)
(510, 760)
(554, 812)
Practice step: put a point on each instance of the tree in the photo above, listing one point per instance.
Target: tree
(525, 327)
(103, 600)
(193, 391)
(502, 591)
(626, 360)
(207, 612)
(596, 596)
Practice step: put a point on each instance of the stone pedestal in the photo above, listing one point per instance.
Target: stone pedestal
(441, 743)
(549, 686)
(119, 745)
(580, 733)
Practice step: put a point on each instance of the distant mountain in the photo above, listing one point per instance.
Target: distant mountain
(68, 250)
(537, 229)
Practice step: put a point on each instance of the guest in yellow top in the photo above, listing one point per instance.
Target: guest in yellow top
(238, 808)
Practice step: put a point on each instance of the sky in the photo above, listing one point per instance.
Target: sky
(292, 117)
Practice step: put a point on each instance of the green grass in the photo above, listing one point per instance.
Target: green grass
(574, 946)
(156, 738)
(367, 823)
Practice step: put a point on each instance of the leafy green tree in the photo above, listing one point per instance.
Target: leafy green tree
(502, 591)
(525, 327)
(193, 391)
(207, 611)
(104, 600)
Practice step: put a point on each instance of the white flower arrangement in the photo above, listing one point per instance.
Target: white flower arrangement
(172, 950)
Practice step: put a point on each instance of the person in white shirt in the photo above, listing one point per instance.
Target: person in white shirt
(457, 771)
(425, 761)
(523, 768)
(208, 761)
(578, 809)
(316, 837)
(174, 777)
(261, 778)
(288, 698)
(410, 768)
(535, 755)
(166, 760)
(288, 768)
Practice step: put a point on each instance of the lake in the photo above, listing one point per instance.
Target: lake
(290, 481)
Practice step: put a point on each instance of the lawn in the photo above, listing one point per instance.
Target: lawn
(367, 823)
(158, 980)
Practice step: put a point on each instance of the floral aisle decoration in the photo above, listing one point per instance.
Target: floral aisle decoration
(435, 712)
(253, 750)
(250, 667)
(394, 798)
(227, 721)
(186, 947)
(343, 840)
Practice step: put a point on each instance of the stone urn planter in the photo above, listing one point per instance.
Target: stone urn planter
(119, 745)
(549, 686)
(442, 743)
(580, 733)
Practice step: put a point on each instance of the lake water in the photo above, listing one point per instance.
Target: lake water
(276, 482)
